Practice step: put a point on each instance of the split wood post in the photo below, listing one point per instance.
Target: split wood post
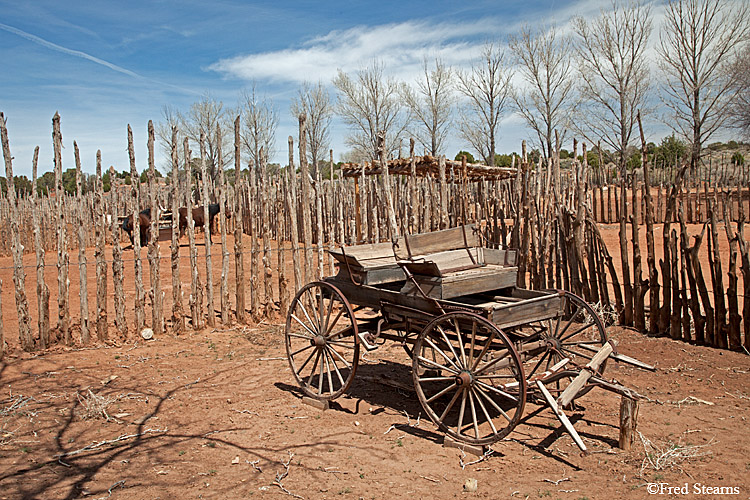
(578, 223)
(100, 231)
(280, 256)
(83, 284)
(653, 276)
(117, 265)
(254, 223)
(674, 285)
(265, 223)
(666, 271)
(386, 179)
(717, 281)
(628, 422)
(195, 301)
(626, 318)
(306, 219)
(178, 315)
(291, 207)
(42, 290)
(414, 206)
(318, 191)
(19, 274)
(135, 181)
(745, 256)
(154, 253)
(639, 318)
(702, 289)
(224, 289)
(699, 320)
(239, 265)
(2, 337)
(63, 314)
(443, 193)
(205, 181)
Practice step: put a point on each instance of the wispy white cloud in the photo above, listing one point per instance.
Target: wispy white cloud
(65, 50)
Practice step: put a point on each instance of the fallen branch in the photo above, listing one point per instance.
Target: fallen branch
(484, 457)
(99, 444)
(281, 477)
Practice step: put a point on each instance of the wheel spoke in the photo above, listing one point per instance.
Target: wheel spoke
(496, 390)
(473, 343)
(328, 370)
(588, 325)
(339, 333)
(536, 366)
(484, 410)
(341, 358)
(461, 412)
(312, 323)
(443, 354)
(320, 375)
(314, 367)
(450, 405)
(448, 343)
(486, 347)
(305, 363)
(313, 307)
(492, 363)
(444, 391)
(570, 321)
(492, 402)
(309, 346)
(300, 336)
(328, 315)
(473, 413)
(345, 345)
(333, 323)
(295, 318)
(576, 353)
(435, 379)
(433, 364)
(460, 339)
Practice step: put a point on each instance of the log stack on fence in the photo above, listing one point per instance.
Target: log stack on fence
(558, 216)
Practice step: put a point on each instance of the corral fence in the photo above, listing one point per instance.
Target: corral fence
(273, 232)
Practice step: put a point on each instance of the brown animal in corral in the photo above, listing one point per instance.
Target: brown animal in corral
(213, 210)
(144, 221)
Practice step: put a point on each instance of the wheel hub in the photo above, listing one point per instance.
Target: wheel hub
(318, 341)
(464, 379)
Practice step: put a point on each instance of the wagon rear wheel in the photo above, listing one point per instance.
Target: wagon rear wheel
(321, 341)
(469, 378)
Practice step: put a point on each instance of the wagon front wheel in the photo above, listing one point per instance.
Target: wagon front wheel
(469, 378)
(321, 341)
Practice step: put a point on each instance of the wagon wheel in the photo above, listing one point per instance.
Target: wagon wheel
(321, 341)
(469, 378)
(578, 325)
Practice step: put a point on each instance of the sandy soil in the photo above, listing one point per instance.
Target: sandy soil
(216, 414)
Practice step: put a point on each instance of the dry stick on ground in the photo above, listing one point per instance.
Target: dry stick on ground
(154, 256)
(117, 265)
(178, 315)
(19, 275)
(239, 266)
(82, 283)
(42, 291)
(98, 444)
(135, 189)
(101, 263)
(280, 477)
(63, 314)
(196, 295)
(224, 289)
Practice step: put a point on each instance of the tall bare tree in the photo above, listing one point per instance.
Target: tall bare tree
(740, 109)
(614, 74)
(487, 90)
(544, 57)
(260, 122)
(315, 102)
(431, 103)
(202, 117)
(370, 102)
(697, 40)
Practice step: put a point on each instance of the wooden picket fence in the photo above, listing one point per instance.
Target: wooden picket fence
(274, 231)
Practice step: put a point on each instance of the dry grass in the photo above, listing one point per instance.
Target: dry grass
(671, 454)
(94, 406)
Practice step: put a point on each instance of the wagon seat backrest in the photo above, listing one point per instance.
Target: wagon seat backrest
(449, 250)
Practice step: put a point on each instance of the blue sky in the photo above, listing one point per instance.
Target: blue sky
(106, 64)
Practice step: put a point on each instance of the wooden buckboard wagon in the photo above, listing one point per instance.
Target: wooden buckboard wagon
(480, 347)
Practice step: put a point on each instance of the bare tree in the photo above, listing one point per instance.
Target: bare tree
(369, 103)
(314, 101)
(260, 122)
(487, 89)
(614, 74)
(545, 61)
(697, 40)
(431, 105)
(740, 109)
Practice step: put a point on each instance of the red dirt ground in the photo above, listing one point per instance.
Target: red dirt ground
(216, 414)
